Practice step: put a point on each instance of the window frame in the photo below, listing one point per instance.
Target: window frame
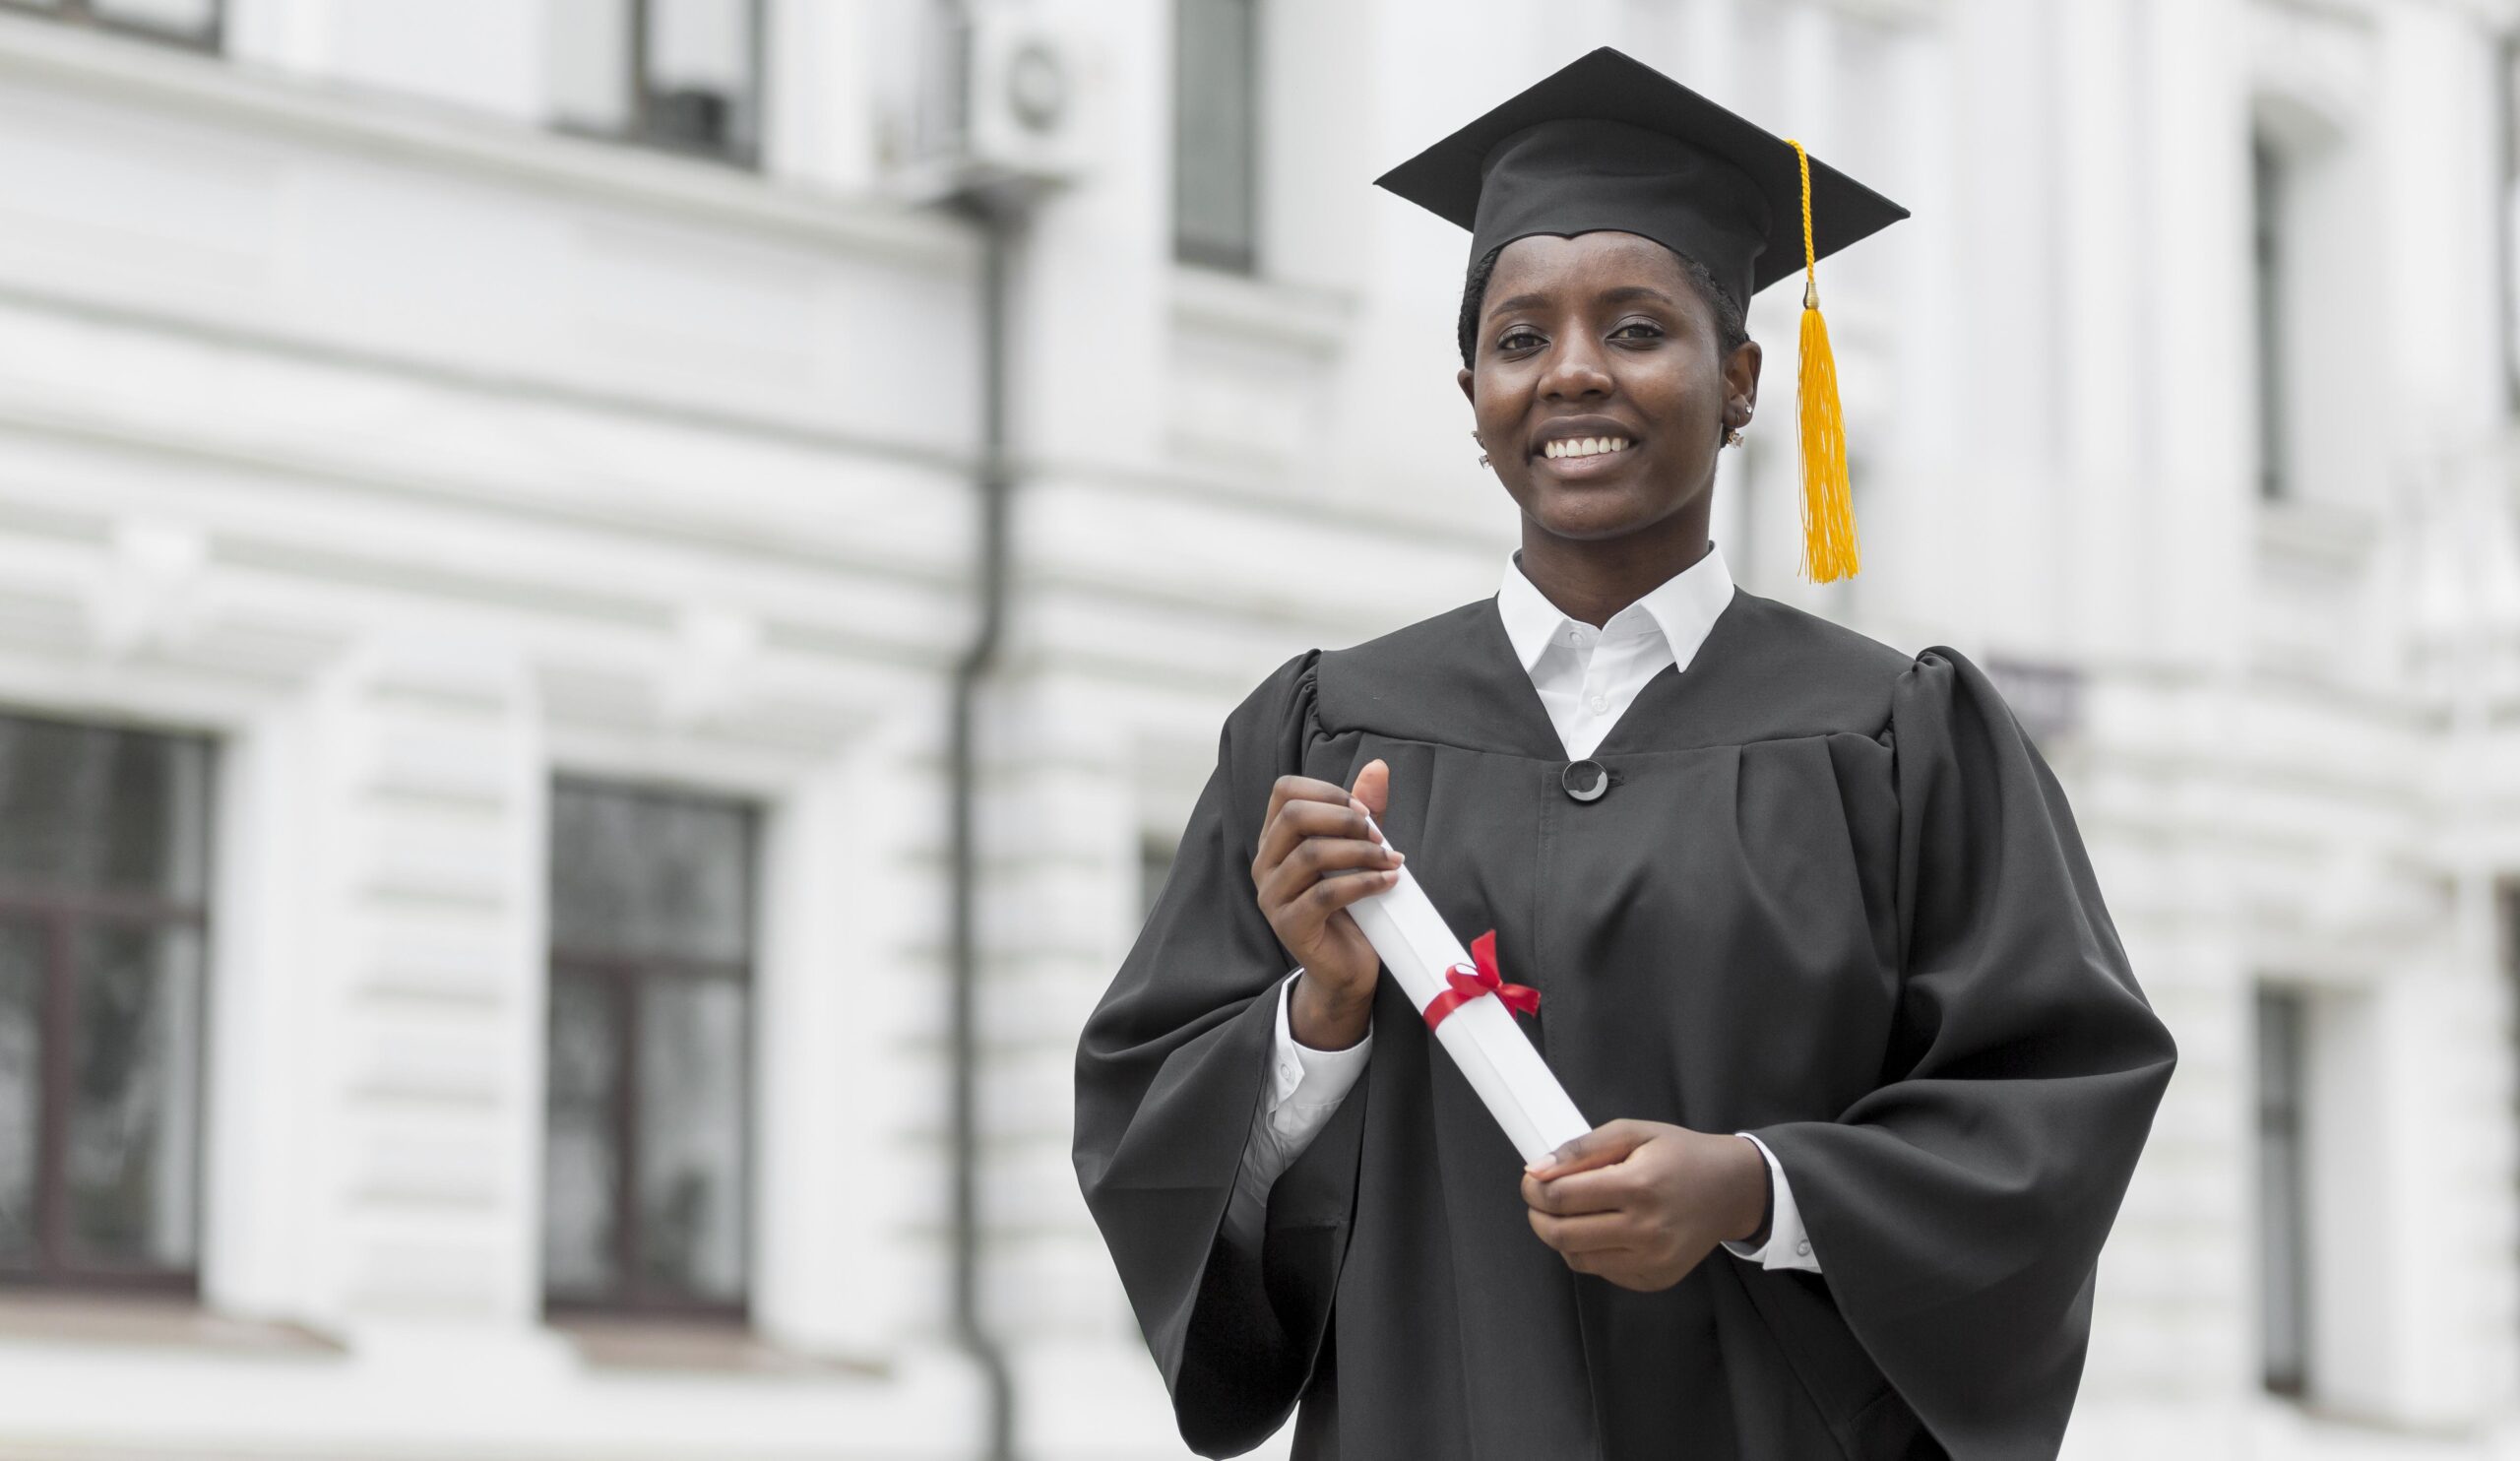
(640, 130)
(624, 977)
(212, 42)
(2285, 1116)
(2270, 278)
(2506, 213)
(61, 913)
(1203, 253)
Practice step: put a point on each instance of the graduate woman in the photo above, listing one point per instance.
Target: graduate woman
(1816, 940)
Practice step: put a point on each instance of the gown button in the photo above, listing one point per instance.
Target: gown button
(1585, 780)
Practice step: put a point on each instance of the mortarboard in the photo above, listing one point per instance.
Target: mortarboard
(1608, 142)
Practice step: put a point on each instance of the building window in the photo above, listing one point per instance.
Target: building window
(188, 22)
(103, 878)
(2506, 210)
(927, 112)
(683, 75)
(1215, 132)
(645, 1168)
(2283, 1191)
(2267, 200)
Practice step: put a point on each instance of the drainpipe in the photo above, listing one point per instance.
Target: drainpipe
(999, 218)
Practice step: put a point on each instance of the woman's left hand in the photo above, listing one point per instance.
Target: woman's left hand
(1640, 1203)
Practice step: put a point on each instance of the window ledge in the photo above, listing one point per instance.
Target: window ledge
(1294, 315)
(2309, 1412)
(152, 1321)
(185, 83)
(689, 1346)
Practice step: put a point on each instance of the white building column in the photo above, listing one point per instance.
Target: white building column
(2195, 416)
(2007, 191)
(2107, 229)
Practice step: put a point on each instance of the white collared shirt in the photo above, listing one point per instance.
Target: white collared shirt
(1587, 678)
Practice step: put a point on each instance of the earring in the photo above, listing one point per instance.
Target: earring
(1483, 455)
(1732, 438)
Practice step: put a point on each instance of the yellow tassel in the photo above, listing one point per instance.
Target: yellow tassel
(1829, 549)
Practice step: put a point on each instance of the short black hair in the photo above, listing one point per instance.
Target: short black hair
(1729, 329)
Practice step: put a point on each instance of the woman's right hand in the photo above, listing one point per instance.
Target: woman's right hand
(1317, 855)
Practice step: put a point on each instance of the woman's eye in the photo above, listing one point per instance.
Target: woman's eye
(1524, 339)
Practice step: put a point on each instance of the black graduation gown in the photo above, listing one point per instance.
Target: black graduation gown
(1833, 896)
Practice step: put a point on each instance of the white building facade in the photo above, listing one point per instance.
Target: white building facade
(491, 510)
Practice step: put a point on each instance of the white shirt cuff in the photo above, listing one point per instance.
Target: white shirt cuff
(1311, 1080)
(1305, 1087)
(1787, 1244)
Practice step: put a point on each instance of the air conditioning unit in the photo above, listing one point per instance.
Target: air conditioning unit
(992, 102)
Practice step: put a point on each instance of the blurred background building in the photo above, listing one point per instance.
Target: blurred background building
(497, 519)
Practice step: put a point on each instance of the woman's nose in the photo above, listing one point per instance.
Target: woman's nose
(1575, 371)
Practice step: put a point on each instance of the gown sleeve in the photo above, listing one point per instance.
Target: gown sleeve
(1959, 1206)
(1170, 1071)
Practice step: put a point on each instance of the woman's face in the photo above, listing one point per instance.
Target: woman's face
(1602, 334)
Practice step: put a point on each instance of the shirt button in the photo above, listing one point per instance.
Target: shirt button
(1598, 703)
(1802, 1249)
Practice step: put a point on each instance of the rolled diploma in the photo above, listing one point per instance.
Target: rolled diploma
(1517, 1085)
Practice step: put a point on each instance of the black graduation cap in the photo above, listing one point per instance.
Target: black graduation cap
(1608, 142)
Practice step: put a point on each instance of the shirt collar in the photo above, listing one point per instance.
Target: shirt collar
(1683, 607)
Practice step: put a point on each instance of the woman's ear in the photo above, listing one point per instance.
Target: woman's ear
(1742, 375)
(1466, 394)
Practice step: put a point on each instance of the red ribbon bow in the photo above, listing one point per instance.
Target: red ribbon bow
(1470, 983)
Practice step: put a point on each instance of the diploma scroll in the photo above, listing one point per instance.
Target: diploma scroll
(1479, 1035)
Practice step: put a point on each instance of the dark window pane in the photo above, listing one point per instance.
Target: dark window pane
(691, 1138)
(649, 875)
(183, 20)
(22, 958)
(582, 1171)
(104, 866)
(681, 73)
(100, 810)
(651, 912)
(2282, 1209)
(590, 82)
(1214, 159)
(2506, 211)
(189, 23)
(701, 87)
(134, 1096)
(2267, 181)
(938, 124)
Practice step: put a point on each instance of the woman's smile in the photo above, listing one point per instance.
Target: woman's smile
(1585, 446)
(1576, 450)
(1576, 460)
